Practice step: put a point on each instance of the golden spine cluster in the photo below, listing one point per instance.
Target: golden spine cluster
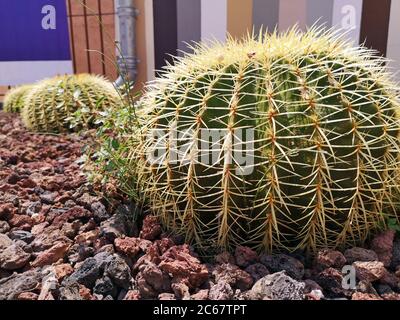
(14, 100)
(52, 105)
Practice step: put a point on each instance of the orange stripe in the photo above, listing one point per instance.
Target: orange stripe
(240, 17)
(141, 45)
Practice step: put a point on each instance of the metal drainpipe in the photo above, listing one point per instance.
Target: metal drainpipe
(127, 60)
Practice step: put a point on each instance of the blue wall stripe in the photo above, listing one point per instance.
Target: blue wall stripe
(266, 14)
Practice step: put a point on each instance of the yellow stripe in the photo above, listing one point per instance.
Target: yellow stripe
(141, 44)
(240, 17)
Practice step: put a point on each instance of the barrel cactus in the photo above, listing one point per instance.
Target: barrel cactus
(278, 141)
(69, 102)
(14, 99)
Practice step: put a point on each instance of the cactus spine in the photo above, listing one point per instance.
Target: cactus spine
(67, 102)
(307, 155)
(14, 100)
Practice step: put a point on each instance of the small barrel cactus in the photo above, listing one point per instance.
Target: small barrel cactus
(14, 99)
(279, 142)
(68, 102)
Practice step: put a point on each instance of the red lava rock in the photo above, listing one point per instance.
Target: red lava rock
(166, 296)
(85, 293)
(89, 226)
(257, 271)
(27, 183)
(391, 280)
(7, 210)
(152, 256)
(9, 157)
(391, 296)
(88, 237)
(45, 237)
(13, 178)
(63, 198)
(181, 289)
(221, 291)
(52, 255)
(164, 244)
(20, 221)
(151, 228)
(108, 248)
(225, 257)
(127, 246)
(4, 227)
(330, 279)
(45, 209)
(360, 254)
(71, 215)
(311, 285)
(39, 228)
(86, 200)
(245, 256)
(71, 230)
(27, 296)
(38, 218)
(330, 258)
(364, 296)
(63, 270)
(314, 295)
(132, 295)
(101, 243)
(369, 271)
(234, 276)
(382, 244)
(13, 257)
(151, 281)
(178, 262)
(200, 295)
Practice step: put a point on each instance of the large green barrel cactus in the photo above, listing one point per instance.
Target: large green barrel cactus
(279, 142)
(14, 99)
(68, 102)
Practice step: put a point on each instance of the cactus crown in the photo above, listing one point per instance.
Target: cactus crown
(280, 142)
(14, 100)
(68, 102)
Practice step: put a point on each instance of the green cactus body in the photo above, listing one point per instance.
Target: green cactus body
(14, 99)
(68, 102)
(315, 120)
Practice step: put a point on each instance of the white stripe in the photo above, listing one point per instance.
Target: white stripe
(347, 17)
(149, 27)
(21, 72)
(393, 45)
(213, 20)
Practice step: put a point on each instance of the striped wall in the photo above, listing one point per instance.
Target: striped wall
(165, 27)
(176, 23)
